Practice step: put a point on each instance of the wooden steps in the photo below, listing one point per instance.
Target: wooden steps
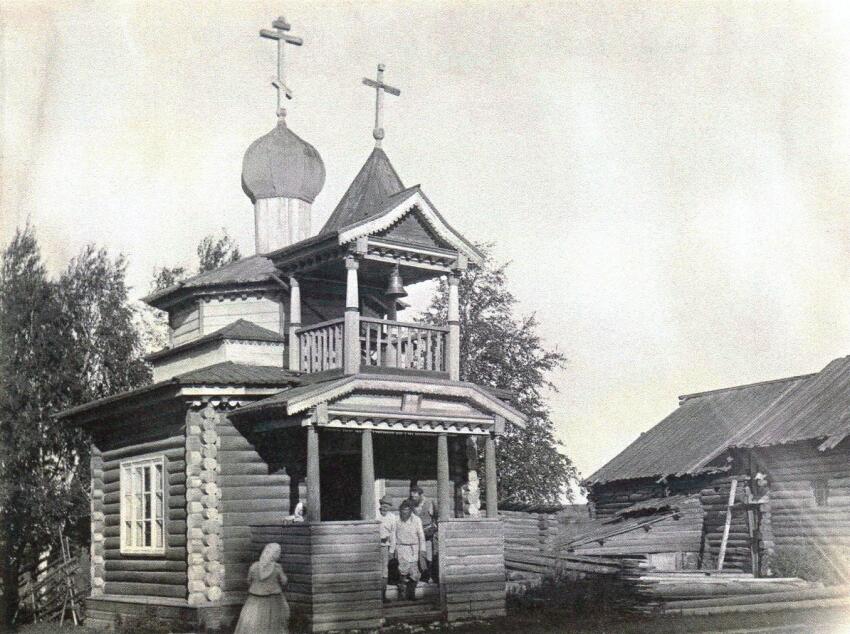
(421, 611)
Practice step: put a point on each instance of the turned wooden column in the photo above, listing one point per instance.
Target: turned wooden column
(444, 499)
(314, 497)
(453, 359)
(351, 353)
(367, 476)
(294, 325)
(490, 471)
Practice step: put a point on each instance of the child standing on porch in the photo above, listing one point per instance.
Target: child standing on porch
(410, 550)
(389, 521)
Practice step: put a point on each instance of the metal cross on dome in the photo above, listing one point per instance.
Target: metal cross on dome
(380, 88)
(281, 26)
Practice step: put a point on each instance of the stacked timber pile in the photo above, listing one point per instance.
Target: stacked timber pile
(695, 592)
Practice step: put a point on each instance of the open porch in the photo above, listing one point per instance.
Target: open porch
(347, 442)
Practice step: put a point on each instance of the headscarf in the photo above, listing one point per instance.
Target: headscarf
(268, 558)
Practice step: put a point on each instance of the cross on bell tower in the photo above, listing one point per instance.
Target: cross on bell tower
(380, 88)
(281, 26)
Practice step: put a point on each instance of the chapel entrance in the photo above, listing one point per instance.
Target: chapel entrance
(340, 476)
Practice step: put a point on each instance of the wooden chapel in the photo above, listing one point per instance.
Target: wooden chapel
(291, 378)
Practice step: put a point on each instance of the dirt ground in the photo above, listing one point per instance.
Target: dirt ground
(548, 621)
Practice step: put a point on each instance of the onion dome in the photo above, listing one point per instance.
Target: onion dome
(281, 164)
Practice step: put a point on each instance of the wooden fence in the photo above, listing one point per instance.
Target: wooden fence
(50, 589)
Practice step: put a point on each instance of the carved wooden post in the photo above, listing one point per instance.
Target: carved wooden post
(294, 325)
(454, 329)
(351, 363)
(314, 499)
(444, 497)
(367, 476)
(490, 470)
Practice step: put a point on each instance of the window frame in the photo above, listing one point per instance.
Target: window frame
(820, 491)
(127, 515)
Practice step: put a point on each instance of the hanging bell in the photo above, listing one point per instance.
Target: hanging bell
(395, 288)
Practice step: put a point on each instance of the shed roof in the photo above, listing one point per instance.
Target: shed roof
(703, 425)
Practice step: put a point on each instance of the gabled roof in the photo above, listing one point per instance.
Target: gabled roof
(368, 193)
(702, 427)
(252, 269)
(819, 409)
(377, 199)
(239, 330)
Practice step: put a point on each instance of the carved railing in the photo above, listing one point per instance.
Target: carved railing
(321, 346)
(406, 346)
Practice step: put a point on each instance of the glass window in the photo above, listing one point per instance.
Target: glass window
(142, 518)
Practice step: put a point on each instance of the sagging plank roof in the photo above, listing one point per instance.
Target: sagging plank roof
(813, 407)
(686, 440)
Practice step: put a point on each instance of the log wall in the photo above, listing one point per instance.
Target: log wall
(204, 523)
(714, 500)
(472, 568)
(797, 520)
(250, 494)
(143, 575)
(334, 571)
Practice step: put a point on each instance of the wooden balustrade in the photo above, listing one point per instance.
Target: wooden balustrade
(321, 346)
(406, 346)
(384, 343)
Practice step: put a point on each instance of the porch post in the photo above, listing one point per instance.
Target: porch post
(490, 470)
(367, 476)
(314, 500)
(454, 329)
(444, 497)
(294, 325)
(351, 364)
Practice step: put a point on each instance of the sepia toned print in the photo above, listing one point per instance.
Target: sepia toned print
(390, 339)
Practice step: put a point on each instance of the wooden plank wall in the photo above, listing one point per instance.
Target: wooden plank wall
(608, 499)
(334, 571)
(250, 495)
(264, 311)
(682, 535)
(472, 568)
(140, 575)
(185, 324)
(796, 520)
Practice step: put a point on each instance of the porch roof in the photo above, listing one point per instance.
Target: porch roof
(300, 399)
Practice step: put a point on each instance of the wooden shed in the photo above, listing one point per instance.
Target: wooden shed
(767, 460)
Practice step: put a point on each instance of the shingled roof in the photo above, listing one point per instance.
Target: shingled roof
(368, 194)
(253, 269)
(225, 374)
(239, 330)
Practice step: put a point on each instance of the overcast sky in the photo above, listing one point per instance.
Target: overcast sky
(670, 180)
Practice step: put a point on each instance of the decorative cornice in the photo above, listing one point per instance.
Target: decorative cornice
(416, 201)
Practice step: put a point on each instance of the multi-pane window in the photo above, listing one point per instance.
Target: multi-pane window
(142, 495)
